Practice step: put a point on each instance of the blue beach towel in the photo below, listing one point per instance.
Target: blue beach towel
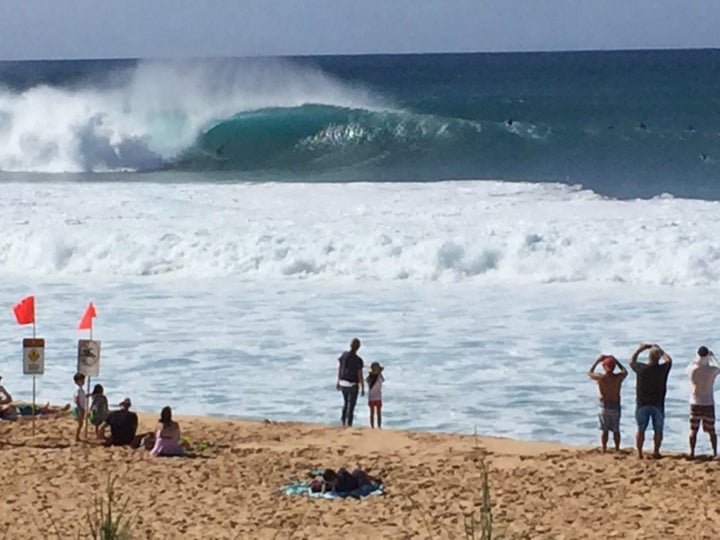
(302, 487)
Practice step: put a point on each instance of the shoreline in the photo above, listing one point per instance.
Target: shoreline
(432, 481)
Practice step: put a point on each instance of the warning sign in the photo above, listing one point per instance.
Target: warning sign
(33, 356)
(88, 357)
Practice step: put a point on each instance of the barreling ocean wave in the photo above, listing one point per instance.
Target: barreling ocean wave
(318, 137)
(147, 116)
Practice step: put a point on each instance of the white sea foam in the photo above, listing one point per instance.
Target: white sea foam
(486, 301)
(450, 231)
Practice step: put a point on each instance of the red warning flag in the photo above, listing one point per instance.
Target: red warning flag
(87, 317)
(24, 310)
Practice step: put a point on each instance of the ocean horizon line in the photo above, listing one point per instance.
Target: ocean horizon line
(533, 52)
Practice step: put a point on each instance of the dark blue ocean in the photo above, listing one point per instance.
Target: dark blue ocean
(624, 124)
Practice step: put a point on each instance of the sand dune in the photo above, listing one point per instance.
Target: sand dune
(539, 490)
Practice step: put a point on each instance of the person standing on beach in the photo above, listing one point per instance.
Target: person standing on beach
(349, 377)
(375, 381)
(609, 393)
(80, 402)
(650, 389)
(702, 403)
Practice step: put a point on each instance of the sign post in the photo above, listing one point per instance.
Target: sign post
(33, 364)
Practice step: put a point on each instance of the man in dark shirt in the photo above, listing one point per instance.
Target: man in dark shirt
(123, 425)
(349, 376)
(650, 391)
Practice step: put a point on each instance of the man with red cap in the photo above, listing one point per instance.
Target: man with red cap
(609, 393)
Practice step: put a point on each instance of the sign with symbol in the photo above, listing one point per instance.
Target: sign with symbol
(33, 356)
(88, 357)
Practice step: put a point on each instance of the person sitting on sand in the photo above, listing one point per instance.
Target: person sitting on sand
(123, 425)
(167, 436)
(7, 409)
(702, 403)
(341, 481)
(650, 390)
(99, 409)
(608, 384)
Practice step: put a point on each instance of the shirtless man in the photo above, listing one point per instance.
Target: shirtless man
(609, 393)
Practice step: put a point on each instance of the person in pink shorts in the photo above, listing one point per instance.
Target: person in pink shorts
(375, 380)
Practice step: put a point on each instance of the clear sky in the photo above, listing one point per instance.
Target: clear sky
(199, 28)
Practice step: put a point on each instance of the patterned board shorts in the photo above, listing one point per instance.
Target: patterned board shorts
(609, 417)
(704, 413)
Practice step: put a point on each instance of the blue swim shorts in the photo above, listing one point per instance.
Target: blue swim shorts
(644, 413)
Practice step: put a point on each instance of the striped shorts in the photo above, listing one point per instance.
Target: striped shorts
(704, 413)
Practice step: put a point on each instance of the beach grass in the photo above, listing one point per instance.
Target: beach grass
(110, 518)
(479, 525)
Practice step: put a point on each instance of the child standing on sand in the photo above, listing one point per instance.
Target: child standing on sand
(80, 401)
(375, 380)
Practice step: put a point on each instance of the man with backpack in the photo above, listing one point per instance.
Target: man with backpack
(349, 380)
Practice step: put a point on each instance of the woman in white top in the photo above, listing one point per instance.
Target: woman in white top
(375, 380)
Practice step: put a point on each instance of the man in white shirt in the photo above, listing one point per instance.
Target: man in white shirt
(702, 404)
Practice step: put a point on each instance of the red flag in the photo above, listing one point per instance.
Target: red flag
(87, 317)
(24, 310)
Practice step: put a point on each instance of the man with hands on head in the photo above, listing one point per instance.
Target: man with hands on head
(702, 403)
(650, 390)
(609, 393)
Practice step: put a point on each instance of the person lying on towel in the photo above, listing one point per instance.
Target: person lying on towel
(341, 481)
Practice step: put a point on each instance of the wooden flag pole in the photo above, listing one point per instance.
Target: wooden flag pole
(87, 394)
(87, 413)
(33, 397)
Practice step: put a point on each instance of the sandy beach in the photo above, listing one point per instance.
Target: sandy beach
(432, 482)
